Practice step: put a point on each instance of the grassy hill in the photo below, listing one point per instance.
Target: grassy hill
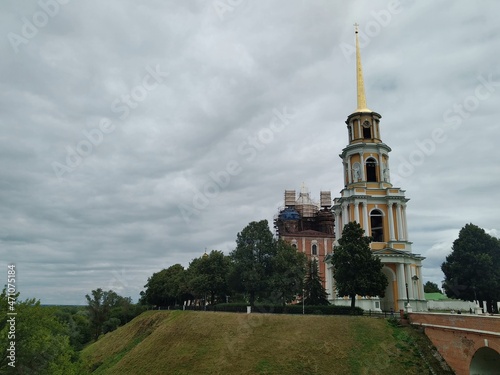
(188, 342)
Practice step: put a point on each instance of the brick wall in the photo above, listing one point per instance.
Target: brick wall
(458, 347)
(480, 322)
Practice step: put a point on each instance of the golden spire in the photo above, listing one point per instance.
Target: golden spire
(359, 77)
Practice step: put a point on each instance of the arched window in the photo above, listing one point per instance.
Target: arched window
(314, 249)
(367, 130)
(367, 133)
(377, 225)
(371, 170)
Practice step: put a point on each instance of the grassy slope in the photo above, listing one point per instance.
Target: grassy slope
(186, 342)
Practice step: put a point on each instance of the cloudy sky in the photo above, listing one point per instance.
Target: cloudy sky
(135, 135)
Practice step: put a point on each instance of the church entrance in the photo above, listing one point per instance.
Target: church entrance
(387, 302)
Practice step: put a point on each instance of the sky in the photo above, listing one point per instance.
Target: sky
(135, 135)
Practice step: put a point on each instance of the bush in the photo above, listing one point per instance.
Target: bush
(393, 321)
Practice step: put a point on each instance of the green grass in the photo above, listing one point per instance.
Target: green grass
(187, 342)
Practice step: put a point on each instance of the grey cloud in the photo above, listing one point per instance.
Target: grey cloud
(115, 219)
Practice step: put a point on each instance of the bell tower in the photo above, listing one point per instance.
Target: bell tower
(369, 198)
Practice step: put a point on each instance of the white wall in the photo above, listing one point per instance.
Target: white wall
(451, 305)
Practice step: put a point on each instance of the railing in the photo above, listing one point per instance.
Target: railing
(385, 314)
(267, 310)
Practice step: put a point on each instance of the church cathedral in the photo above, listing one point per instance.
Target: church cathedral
(369, 198)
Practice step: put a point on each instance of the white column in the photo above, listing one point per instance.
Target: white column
(380, 168)
(365, 218)
(401, 218)
(398, 219)
(391, 222)
(356, 212)
(409, 281)
(338, 223)
(349, 171)
(362, 162)
(388, 169)
(400, 275)
(345, 218)
(359, 129)
(327, 279)
(344, 165)
(405, 230)
(420, 282)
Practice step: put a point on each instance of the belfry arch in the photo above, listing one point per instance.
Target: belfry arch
(371, 170)
(377, 225)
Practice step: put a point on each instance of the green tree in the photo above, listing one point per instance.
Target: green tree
(356, 270)
(41, 341)
(167, 287)
(76, 318)
(99, 308)
(430, 287)
(82, 329)
(472, 269)
(124, 310)
(208, 275)
(288, 271)
(314, 293)
(252, 260)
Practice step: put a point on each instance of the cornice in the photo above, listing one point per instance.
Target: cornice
(355, 148)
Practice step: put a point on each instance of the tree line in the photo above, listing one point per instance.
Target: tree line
(260, 269)
(48, 338)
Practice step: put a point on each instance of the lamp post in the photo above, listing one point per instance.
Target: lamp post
(303, 298)
(407, 299)
(415, 281)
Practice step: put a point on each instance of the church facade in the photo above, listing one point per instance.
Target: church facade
(308, 226)
(369, 198)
